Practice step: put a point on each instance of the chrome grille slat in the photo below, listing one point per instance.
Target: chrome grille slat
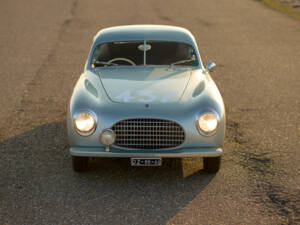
(148, 133)
(155, 136)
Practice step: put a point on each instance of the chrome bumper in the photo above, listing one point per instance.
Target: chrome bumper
(178, 153)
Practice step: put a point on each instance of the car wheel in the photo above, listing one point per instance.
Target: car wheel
(80, 164)
(212, 164)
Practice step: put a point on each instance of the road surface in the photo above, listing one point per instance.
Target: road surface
(43, 48)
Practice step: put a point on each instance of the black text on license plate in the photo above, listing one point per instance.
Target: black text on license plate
(145, 161)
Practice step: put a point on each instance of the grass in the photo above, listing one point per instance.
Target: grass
(287, 9)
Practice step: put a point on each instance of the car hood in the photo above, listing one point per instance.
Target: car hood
(144, 85)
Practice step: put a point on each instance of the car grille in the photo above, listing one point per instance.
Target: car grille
(148, 133)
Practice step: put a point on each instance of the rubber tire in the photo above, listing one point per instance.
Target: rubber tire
(212, 164)
(80, 164)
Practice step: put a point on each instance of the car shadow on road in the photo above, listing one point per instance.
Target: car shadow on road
(40, 185)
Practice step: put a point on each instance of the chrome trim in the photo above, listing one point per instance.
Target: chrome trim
(148, 133)
(94, 116)
(185, 153)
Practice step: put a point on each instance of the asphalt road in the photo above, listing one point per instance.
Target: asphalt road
(43, 48)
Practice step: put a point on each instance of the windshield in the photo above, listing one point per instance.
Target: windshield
(144, 53)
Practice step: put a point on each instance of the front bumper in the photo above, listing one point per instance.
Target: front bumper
(117, 153)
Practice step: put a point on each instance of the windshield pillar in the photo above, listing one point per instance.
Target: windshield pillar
(144, 52)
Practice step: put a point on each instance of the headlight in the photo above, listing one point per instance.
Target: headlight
(85, 123)
(207, 123)
(107, 137)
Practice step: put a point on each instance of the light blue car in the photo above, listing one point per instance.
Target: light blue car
(145, 95)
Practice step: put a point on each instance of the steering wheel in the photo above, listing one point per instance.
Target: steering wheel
(121, 59)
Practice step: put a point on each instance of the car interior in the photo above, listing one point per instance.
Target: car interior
(132, 53)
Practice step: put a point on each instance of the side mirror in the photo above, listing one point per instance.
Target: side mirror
(210, 66)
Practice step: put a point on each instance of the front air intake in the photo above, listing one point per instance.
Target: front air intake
(148, 133)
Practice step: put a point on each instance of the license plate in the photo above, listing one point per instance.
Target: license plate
(146, 161)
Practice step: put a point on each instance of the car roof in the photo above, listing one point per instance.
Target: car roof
(144, 32)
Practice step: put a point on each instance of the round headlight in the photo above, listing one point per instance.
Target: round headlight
(85, 123)
(207, 123)
(107, 137)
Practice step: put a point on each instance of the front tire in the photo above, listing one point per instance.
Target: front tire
(80, 164)
(212, 164)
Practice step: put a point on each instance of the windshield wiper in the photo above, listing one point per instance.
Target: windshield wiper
(105, 63)
(182, 61)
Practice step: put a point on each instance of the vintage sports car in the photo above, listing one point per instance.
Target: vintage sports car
(145, 95)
